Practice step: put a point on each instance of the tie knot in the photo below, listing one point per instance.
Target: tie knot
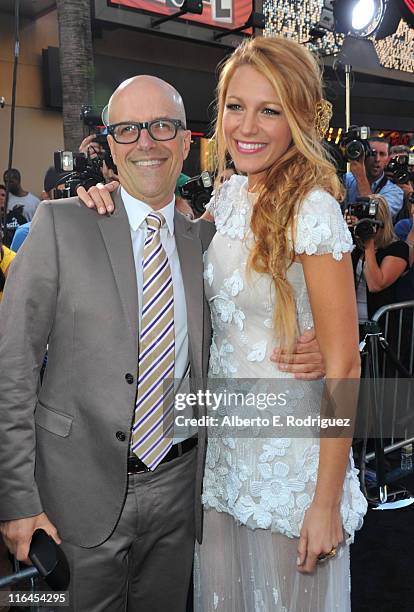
(155, 221)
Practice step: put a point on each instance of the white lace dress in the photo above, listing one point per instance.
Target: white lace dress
(256, 490)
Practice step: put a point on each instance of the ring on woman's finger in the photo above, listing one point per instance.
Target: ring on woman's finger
(325, 556)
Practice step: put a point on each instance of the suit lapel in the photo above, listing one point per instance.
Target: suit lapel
(190, 254)
(116, 234)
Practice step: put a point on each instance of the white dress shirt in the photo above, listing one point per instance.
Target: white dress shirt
(137, 212)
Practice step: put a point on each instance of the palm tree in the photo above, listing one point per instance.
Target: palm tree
(76, 65)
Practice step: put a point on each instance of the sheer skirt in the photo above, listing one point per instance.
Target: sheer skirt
(238, 569)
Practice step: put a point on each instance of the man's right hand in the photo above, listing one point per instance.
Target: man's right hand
(17, 534)
(99, 197)
(357, 167)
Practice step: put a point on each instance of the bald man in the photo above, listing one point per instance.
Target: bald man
(89, 457)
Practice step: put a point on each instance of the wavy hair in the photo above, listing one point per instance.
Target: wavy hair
(296, 79)
(385, 235)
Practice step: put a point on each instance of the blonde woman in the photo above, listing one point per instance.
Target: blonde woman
(379, 262)
(279, 263)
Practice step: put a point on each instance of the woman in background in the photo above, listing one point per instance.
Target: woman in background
(379, 262)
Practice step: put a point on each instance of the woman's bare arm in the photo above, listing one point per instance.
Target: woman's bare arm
(332, 297)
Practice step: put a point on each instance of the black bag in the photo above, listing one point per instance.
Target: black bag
(14, 219)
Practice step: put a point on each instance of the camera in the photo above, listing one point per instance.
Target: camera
(354, 143)
(198, 190)
(79, 170)
(398, 169)
(84, 169)
(366, 211)
(91, 118)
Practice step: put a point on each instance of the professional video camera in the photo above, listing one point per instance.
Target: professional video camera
(366, 211)
(81, 169)
(354, 143)
(398, 169)
(198, 190)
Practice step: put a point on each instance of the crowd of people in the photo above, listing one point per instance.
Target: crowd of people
(130, 296)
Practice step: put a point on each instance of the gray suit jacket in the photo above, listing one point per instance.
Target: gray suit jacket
(72, 286)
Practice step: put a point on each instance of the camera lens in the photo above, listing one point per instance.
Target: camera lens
(364, 230)
(354, 150)
(199, 202)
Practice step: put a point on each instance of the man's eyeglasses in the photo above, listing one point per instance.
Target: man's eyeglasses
(158, 129)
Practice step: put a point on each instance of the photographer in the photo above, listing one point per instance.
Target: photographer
(367, 178)
(380, 259)
(92, 149)
(401, 172)
(181, 203)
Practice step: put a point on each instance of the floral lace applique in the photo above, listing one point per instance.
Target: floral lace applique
(320, 227)
(311, 232)
(246, 508)
(229, 207)
(234, 284)
(275, 447)
(208, 274)
(223, 307)
(225, 312)
(220, 364)
(258, 351)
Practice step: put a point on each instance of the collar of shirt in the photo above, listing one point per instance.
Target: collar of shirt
(377, 182)
(137, 211)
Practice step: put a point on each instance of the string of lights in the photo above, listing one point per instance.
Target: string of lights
(285, 17)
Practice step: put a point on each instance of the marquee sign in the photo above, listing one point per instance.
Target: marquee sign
(227, 14)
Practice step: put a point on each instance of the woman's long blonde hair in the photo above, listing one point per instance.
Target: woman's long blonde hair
(296, 78)
(385, 235)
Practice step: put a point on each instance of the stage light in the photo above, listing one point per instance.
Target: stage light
(360, 18)
(363, 14)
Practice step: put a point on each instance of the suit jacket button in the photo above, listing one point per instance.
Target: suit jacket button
(129, 378)
(121, 436)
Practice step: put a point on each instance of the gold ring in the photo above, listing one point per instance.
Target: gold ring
(325, 556)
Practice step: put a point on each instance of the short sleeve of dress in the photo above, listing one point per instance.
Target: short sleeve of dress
(228, 192)
(320, 227)
(211, 206)
(229, 206)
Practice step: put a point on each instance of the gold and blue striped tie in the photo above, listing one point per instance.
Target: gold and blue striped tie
(153, 421)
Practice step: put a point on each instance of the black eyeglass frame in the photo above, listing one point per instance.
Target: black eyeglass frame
(146, 125)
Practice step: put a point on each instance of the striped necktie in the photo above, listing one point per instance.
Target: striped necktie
(153, 419)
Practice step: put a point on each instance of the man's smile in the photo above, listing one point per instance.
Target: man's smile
(147, 162)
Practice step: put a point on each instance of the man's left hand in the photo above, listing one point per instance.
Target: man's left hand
(306, 361)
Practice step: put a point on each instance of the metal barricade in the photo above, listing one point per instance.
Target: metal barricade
(387, 351)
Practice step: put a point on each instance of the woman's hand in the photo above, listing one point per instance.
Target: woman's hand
(369, 245)
(99, 197)
(321, 532)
